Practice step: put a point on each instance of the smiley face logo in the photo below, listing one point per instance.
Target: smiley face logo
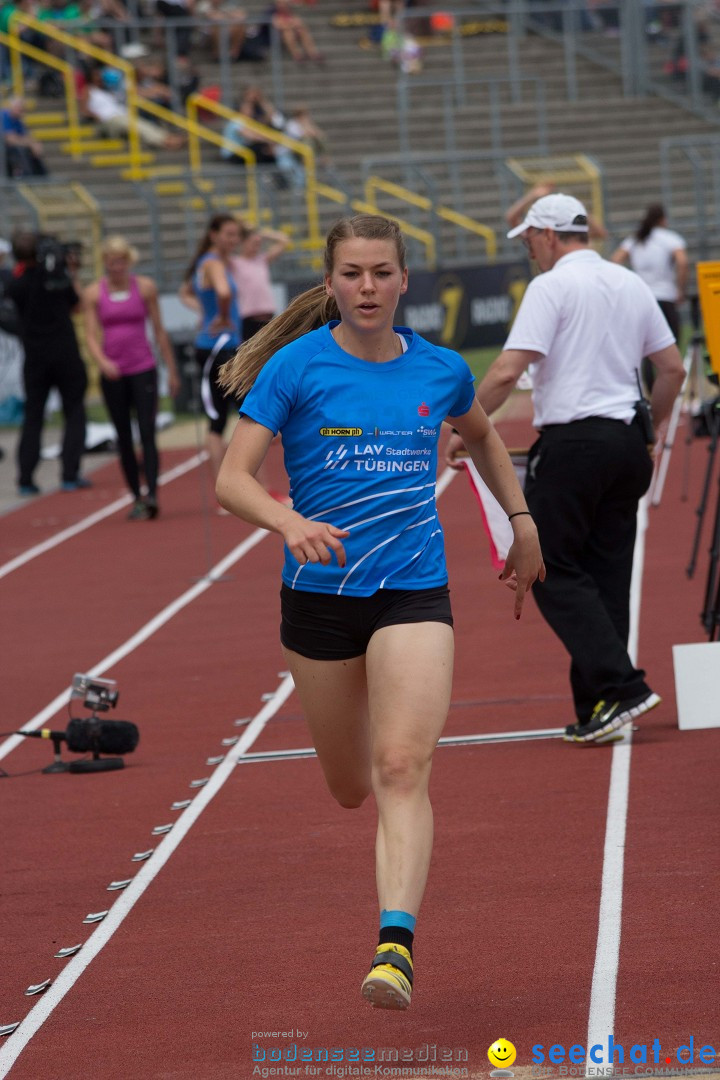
(502, 1053)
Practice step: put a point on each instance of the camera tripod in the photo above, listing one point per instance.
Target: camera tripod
(693, 365)
(710, 616)
(711, 610)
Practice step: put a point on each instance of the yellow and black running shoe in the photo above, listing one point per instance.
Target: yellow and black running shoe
(389, 984)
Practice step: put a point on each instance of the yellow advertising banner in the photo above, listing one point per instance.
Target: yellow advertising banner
(708, 279)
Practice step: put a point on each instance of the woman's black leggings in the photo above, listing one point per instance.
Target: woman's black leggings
(138, 392)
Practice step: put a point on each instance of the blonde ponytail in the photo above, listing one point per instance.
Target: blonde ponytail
(304, 313)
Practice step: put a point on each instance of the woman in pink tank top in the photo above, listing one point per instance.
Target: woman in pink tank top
(117, 308)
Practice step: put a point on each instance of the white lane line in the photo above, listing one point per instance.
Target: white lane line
(140, 636)
(601, 1019)
(159, 620)
(93, 519)
(143, 879)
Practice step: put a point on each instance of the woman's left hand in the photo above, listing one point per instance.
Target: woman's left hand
(219, 324)
(524, 563)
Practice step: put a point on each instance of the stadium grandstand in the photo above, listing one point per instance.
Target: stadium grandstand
(442, 119)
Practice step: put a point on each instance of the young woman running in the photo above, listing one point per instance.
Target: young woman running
(116, 310)
(366, 620)
(210, 290)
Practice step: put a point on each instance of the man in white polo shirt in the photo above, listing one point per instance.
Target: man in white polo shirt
(583, 328)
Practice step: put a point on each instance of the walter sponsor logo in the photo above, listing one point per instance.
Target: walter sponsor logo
(341, 432)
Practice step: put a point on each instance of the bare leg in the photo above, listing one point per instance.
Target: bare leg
(409, 674)
(290, 43)
(333, 695)
(306, 41)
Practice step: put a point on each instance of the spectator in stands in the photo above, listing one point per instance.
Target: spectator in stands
(23, 153)
(294, 33)
(302, 127)
(256, 106)
(27, 34)
(178, 9)
(110, 38)
(223, 17)
(152, 83)
(113, 118)
(116, 309)
(250, 270)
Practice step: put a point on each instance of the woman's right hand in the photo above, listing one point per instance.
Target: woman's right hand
(313, 541)
(110, 370)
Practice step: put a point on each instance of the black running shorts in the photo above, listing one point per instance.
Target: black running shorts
(324, 626)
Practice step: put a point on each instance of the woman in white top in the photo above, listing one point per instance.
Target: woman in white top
(659, 256)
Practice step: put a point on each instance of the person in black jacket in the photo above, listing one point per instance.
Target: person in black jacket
(45, 296)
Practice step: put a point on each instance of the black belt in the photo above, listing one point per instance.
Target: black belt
(585, 420)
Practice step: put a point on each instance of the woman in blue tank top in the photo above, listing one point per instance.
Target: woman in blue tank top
(366, 621)
(209, 289)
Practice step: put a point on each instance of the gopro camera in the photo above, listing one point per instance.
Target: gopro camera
(100, 694)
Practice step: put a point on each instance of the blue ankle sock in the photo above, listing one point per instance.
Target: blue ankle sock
(398, 928)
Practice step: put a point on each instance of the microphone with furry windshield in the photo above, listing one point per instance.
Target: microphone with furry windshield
(91, 735)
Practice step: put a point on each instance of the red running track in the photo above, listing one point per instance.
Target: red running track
(263, 917)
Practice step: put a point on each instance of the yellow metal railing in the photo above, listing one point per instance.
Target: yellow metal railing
(48, 29)
(19, 48)
(374, 184)
(135, 158)
(341, 198)
(575, 173)
(272, 135)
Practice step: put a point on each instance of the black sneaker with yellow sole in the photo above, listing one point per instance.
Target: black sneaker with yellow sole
(608, 717)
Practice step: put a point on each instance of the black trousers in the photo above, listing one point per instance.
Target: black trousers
(583, 485)
(44, 369)
(122, 396)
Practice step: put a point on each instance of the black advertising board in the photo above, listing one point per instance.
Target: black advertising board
(470, 307)
(464, 308)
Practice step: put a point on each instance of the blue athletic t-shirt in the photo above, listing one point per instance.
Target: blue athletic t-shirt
(205, 338)
(360, 443)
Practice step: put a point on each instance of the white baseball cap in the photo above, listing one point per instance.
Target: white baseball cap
(561, 213)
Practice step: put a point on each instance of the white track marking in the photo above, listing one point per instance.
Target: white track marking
(601, 1019)
(159, 620)
(141, 636)
(93, 519)
(17, 1042)
(143, 879)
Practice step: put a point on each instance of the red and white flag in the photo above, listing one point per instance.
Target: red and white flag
(495, 521)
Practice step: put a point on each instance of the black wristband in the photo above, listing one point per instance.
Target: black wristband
(518, 513)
